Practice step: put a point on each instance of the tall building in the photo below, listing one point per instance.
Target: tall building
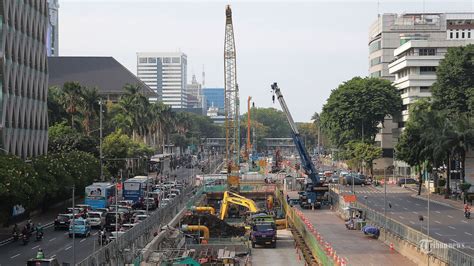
(24, 78)
(194, 92)
(214, 97)
(166, 74)
(411, 66)
(52, 39)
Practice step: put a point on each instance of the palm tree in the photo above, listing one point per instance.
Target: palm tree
(71, 98)
(89, 107)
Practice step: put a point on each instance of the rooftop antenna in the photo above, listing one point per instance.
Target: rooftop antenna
(203, 77)
(378, 8)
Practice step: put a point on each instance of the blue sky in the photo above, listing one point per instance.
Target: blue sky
(308, 47)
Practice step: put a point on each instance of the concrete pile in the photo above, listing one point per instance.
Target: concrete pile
(217, 227)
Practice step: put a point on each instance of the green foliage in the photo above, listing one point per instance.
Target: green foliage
(357, 152)
(464, 186)
(452, 90)
(19, 184)
(356, 107)
(63, 138)
(309, 133)
(56, 111)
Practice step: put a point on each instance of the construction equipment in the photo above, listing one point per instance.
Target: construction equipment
(208, 209)
(231, 106)
(230, 197)
(315, 191)
(201, 228)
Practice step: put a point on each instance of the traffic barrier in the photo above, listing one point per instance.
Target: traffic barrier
(391, 246)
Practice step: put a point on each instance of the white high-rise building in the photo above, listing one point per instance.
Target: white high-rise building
(166, 74)
(52, 38)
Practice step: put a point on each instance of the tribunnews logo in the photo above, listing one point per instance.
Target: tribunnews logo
(426, 245)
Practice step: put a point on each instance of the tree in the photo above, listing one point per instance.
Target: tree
(309, 133)
(452, 90)
(19, 185)
(356, 108)
(56, 111)
(89, 107)
(71, 98)
(63, 138)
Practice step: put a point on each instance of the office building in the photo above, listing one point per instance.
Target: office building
(24, 78)
(104, 73)
(214, 98)
(52, 39)
(194, 94)
(166, 74)
(386, 34)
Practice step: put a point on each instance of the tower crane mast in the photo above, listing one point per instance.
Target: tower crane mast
(231, 106)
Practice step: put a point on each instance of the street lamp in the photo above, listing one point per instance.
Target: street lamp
(100, 140)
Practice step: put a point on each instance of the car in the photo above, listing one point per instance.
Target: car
(151, 203)
(81, 227)
(96, 219)
(349, 179)
(126, 227)
(138, 212)
(102, 210)
(172, 196)
(62, 221)
(43, 262)
(85, 207)
(110, 219)
(164, 202)
(334, 179)
(78, 212)
(175, 191)
(140, 218)
(406, 181)
(115, 234)
(294, 202)
(128, 203)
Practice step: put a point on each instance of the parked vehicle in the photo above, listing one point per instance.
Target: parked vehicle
(81, 227)
(140, 218)
(263, 234)
(96, 219)
(62, 221)
(348, 179)
(406, 181)
(165, 203)
(43, 262)
(294, 202)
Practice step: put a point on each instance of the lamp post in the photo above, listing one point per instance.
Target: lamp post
(73, 226)
(100, 140)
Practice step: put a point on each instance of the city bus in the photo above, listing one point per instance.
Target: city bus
(161, 163)
(135, 188)
(99, 195)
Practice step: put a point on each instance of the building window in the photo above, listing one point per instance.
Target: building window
(450, 34)
(151, 60)
(374, 46)
(375, 61)
(462, 35)
(142, 60)
(427, 70)
(469, 34)
(376, 74)
(175, 60)
(427, 51)
(167, 60)
(457, 34)
(425, 89)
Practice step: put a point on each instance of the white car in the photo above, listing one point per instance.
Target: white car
(96, 219)
(172, 196)
(126, 227)
(164, 203)
(140, 218)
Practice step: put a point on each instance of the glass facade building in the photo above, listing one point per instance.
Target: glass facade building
(24, 78)
(214, 97)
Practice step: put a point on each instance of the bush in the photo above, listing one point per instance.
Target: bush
(464, 186)
(441, 182)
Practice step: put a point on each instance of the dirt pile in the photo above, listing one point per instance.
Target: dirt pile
(217, 227)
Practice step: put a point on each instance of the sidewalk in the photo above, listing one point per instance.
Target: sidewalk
(353, 245)
(457, 204)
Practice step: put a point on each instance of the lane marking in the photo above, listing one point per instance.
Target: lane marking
(401, 217)
(52, 239)
(450, 216)
(66, 233)
(438, 222)
(468, 233)
(454, 240)
(464, 221)
(415, 212)
(438, 234)
(437, 211)
(417, 204)
(12, 257)
(54, 256)
(35, 247)
(452, 227)
(412, 222)
(82, 240)
(68, 248)
(406, 209)
(396, 204)
(94, 234)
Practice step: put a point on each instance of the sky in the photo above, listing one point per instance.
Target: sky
(308, 47)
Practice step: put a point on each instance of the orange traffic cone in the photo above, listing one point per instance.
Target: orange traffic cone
(391, 246)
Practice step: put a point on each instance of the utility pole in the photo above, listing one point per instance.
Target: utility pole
(116, 204)
(100, 141)
(73, 226)
(385, 202)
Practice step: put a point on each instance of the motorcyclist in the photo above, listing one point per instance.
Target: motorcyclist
(39, 230)
(40, 254)
(15, 232)
(467, 210)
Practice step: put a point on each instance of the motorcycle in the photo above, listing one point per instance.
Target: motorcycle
(25, 239)
(39, 236)
(16, 236)
(467, 214)
(102, 239)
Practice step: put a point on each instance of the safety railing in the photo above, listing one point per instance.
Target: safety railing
(124, 248)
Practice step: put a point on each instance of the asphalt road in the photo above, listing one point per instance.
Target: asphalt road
(58, 244)
(447, 224)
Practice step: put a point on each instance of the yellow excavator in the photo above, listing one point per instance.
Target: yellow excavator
(234, 198)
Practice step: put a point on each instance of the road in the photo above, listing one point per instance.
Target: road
(447, 224)
(284, 254)
(58, 243)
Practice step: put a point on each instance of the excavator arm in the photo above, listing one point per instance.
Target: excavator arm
(230, 197)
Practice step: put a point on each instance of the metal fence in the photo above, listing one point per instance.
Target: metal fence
(125, 248)
(437, 249)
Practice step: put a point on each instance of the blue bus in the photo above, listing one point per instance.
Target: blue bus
(135, 188)
(99, 195)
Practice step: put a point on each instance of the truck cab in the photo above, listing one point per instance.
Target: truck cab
(264, 234)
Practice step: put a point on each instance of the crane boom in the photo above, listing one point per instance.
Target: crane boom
(316, 188)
